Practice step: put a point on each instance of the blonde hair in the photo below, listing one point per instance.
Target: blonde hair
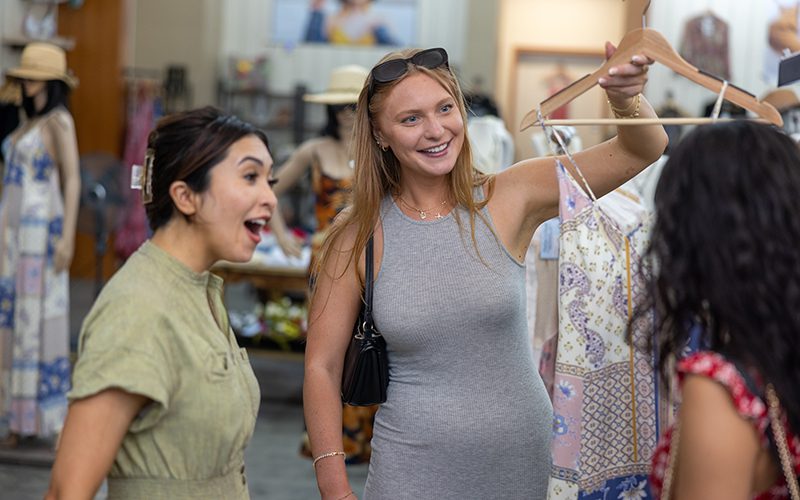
(377, 172)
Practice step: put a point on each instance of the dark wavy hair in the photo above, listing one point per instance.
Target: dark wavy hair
(725, 251)
(57, 95)
(186, 147)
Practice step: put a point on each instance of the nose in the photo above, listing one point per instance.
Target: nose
(434, 128)
(269, 199)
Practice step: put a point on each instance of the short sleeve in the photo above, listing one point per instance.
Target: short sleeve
(127, 351)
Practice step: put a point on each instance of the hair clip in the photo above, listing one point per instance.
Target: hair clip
(142, 177)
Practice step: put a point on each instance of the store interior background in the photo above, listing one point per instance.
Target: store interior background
(503, 48)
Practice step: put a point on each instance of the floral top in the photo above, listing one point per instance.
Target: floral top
(748, 405)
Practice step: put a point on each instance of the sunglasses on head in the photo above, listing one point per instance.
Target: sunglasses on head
(393, 69)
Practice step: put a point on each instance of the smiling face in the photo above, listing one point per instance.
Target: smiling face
(422, 125)
(237, 204)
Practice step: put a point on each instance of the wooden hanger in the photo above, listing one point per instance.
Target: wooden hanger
(650, 43)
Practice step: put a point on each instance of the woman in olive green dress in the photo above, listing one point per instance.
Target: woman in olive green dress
(163, 400)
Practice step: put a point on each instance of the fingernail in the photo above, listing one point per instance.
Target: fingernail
(612, 71)
(636, 59)
(602, 81)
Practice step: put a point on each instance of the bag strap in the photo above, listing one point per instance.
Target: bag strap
(781, 442)
(368, 263)
(787, 463)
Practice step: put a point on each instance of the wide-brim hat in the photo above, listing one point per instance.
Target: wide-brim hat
(43, 61)
(782, 99)
(344, 86)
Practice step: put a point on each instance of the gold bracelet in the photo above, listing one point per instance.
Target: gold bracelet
(326, 455)
(626, 113)
(342, 498)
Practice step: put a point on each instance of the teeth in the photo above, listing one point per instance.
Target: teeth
(437, 149)
(258, 222)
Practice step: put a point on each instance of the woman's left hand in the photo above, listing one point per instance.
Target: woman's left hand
(625, 81)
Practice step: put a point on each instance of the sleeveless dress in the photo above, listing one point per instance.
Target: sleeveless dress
(467, 415)
(750, 406)
(608, 403)
(34, 305)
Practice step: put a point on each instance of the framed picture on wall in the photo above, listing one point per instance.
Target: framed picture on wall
(538, 73)
(345, 22)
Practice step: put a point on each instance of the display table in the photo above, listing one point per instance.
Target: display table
(275, 280)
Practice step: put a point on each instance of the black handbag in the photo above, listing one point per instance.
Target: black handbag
(365, 376)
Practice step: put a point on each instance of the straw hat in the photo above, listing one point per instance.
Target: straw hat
(344, 86)
(43, 61)
(782, 99)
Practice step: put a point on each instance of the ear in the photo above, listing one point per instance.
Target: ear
(185, 200)
(378, 139)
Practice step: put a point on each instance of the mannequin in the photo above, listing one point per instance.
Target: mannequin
(38, 212)
(328, 159)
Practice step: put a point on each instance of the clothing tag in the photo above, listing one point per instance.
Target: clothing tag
(549, 233)
(136, 176)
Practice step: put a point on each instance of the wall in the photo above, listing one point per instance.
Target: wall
(183, 32)
(566, 26)
(245, 33)
(747, 37)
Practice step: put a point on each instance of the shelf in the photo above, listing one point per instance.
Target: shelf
(21, 41)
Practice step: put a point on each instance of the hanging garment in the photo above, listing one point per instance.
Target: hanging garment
(34, 298)
(132, 229)
(705, 45)
(606, 398)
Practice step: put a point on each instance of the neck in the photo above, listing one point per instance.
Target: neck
(40, 101)
(179, 240)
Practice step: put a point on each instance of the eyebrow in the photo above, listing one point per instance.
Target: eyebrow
(415, 111)
(251, 158)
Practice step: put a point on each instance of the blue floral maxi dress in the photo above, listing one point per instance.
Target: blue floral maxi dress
(34, 299)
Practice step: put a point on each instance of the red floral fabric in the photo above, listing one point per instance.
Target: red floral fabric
(749, 406)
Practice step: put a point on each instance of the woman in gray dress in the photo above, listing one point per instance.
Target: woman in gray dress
(467, 415)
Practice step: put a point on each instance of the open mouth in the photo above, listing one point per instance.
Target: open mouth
(436, 150)
(254, 226)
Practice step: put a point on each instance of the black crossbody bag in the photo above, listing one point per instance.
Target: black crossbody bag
(365, 375)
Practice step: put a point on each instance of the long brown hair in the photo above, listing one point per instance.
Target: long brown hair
(377, 172)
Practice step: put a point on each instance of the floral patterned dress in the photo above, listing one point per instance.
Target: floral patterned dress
(34, 326)
(607, 403)
(748, 405)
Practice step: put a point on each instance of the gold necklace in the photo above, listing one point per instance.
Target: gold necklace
(423, 214)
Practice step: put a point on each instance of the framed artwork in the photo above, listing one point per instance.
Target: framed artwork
(536, 74)
(345, 22)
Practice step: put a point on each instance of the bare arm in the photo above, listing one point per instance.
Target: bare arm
(719, 453)
(297, 164)
(527, 194)
(332, 313)
(65, 154)
(92, 434)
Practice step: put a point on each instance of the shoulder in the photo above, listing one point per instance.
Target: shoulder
(59, 124)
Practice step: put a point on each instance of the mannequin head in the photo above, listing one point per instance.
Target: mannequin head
(40, 97)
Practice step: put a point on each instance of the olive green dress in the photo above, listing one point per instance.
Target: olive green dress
(161, 330)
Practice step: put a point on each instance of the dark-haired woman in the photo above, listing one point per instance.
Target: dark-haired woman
(164, 401)
(38, 212)
(728, 281)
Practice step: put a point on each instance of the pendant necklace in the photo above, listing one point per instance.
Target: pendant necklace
(423, 214)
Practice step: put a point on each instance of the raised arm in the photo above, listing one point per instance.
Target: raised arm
(297, 165)
(332, 312)
(92, 434)
(527, 194)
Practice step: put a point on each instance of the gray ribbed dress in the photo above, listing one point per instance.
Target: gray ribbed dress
(467, 415)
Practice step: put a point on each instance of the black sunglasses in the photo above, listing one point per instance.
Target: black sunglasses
(393, 69)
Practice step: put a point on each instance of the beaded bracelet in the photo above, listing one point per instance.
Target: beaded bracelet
(626, 113)
(326, 455)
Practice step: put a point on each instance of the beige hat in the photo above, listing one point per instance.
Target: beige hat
(43, 61)
(344, 86)
(782, 99)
